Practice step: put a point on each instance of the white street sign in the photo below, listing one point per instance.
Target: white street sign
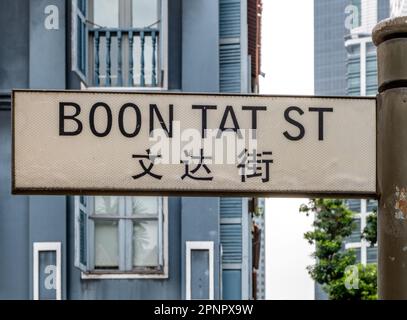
(82, 142)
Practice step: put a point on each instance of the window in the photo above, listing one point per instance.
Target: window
(358, 253)
(353, 75)
(353, 70)
(357, 21)
(199, 282)
(371, 70)
(144, 13)
(125, 13)
(356, 231)
(106, 13)
(371, 255)
(371, 205)
(119, 42)
(353, 205)
(121, 235)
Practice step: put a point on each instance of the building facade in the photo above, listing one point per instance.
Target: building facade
(346, 64)
(329, 49)
(112, 247)
(345, 58)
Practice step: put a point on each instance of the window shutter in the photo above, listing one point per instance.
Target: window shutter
(232, 242)
(81, 232)
(230, 47)
(231, 230)
(79, 38)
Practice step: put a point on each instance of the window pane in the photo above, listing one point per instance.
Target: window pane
(47, 261)
(371, 205)
(372, 255)
(83, 200)
(145, 13)
(82, 6)
(106, 205)
(200, 274)
(356, 232)
(106, 13)
(145, 243)
(106, 244)
(358, 255)
(82, 238)
(80, 45)
(354, 205)
(357, 22)
(144, 206)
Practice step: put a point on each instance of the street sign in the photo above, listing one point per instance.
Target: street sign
(94, 142)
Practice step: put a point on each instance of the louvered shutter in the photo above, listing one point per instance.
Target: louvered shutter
(231, 230)
(234, 237)
(234, 231)
(230, 47)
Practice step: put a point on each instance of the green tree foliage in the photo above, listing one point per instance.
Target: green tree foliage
(335, 268)
(370, 231)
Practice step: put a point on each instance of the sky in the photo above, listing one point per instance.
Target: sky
(288, 64)
(287, 47)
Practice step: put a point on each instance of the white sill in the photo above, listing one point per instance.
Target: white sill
(95, 276)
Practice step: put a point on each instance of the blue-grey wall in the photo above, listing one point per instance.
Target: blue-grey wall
(200, 73)
(200, 46)
(14, 242)
(30, 57)
(14, 18)
(47, 214)
(174, 44)
(200, 222)
(47, 46)
(14, 234)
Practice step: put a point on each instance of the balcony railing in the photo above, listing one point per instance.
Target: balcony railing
(124, 57)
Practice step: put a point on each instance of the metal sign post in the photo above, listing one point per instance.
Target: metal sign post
(390, 36)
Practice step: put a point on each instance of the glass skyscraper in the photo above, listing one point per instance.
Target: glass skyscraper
(345, 64)
(329, 50)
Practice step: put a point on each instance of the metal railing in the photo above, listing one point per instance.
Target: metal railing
(124, 57)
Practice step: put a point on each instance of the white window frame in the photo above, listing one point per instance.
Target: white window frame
(120, 274)
(204, 246)
(74, 34)
(79, 207)
(41, 247)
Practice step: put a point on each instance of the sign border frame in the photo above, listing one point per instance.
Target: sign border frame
(186, 193)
